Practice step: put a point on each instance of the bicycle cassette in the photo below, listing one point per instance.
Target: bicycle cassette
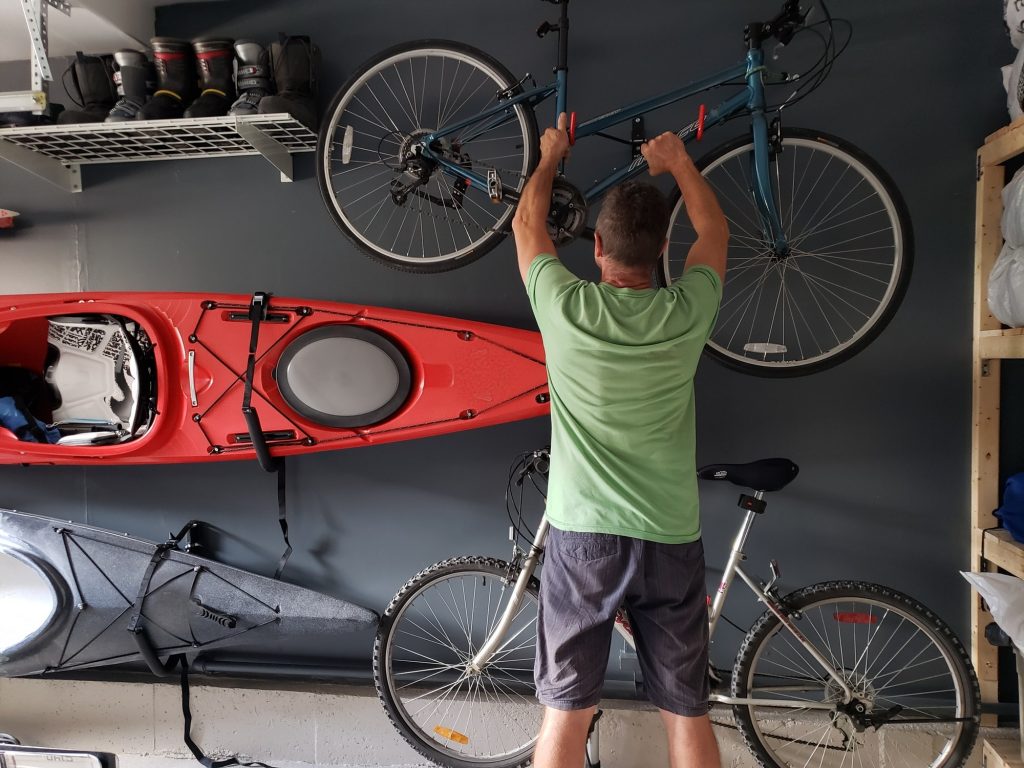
(568, 215)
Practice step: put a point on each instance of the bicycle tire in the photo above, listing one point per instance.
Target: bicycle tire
(444, 203)
(786, 666)
(440, 739)
(838, 295)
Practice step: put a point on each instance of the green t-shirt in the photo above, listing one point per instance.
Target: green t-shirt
(621, 363)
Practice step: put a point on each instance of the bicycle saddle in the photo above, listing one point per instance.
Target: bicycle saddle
(762, 475)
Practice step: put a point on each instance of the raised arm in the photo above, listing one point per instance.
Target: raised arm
(668, 153)
(530, 222)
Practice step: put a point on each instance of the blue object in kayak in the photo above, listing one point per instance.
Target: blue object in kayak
(24, 425)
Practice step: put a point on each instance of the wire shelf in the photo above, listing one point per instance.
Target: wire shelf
(134, 141)
(55, 150)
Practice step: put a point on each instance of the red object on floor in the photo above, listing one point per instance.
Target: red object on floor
(7, 218)
(459, 374)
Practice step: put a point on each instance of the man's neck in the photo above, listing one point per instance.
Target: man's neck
(621, 278)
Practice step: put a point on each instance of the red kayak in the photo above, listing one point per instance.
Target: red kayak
(149, 378)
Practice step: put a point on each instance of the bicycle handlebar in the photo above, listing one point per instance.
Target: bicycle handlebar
(783, 27)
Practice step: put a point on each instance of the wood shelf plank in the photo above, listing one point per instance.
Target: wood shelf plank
(1000, 549)
(1002, 754)
(1004, 144)
(1002, 344)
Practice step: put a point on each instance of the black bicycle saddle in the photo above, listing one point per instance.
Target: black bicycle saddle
(762, 475)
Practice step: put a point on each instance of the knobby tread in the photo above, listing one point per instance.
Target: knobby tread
(806, 596)
(445, 567)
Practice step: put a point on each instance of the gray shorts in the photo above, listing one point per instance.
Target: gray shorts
(585, 578)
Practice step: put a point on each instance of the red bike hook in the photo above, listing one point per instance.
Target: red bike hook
(572, 128)
(702, 113)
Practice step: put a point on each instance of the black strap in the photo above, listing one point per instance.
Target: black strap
(282, 515)
(186, 712)
(258, 309)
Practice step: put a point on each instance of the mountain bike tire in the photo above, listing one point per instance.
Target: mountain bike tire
(430, 631)
(890, 649)
(397, 206)
(846, 276)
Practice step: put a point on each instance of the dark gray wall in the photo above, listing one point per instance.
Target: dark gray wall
(883, 440)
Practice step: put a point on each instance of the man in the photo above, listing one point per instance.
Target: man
(622, 495)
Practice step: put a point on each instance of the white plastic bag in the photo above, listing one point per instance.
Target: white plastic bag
(1013, 211)
(1006, 287)
(1005, 597)
(1012, 84)
(1013, 15)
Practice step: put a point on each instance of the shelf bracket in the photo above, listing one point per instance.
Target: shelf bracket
(273, 150)
(67, 177)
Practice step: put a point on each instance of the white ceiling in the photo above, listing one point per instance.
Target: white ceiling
(95, 26)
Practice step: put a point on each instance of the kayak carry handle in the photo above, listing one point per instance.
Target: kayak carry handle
(259, 440)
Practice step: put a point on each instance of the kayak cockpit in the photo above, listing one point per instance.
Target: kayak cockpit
(76, 380)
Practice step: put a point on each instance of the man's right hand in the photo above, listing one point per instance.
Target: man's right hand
(665, 153)
(554, 143)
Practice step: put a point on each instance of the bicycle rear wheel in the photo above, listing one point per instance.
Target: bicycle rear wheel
(905, 667)
(427, 636)
(847, 270)
(398, 205)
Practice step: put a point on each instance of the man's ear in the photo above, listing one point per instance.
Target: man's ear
(598, 247)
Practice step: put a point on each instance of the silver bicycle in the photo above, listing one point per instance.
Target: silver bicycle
(821, 678)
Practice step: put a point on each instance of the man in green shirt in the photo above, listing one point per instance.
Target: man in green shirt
(622, 496)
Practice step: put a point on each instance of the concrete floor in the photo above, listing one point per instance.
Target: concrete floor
(333, 726)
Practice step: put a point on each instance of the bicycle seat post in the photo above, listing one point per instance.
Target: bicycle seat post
(754, 505)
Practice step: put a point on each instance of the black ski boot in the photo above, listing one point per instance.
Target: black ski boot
(176, 80)
(296, 65)
(92, 77)
(135, 79)
(215, 61)
(252, 78)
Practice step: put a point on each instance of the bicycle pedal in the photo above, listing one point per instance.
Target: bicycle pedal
(494, 186)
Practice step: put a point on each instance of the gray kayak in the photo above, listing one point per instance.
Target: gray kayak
(74, 596)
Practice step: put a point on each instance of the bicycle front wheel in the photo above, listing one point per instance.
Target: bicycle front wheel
(409, 205)
(846, 270)
(905, 668)
(427, 637)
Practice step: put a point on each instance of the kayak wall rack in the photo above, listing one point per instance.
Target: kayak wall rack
(56, 152)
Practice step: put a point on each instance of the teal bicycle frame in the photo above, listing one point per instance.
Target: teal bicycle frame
(751, 100)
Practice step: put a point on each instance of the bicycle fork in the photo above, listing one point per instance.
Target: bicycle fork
(497, 637)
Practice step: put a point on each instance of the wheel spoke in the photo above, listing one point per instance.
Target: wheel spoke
(819, 301)
(428, 684)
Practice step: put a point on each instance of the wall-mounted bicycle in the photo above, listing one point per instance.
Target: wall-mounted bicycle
(426, 148)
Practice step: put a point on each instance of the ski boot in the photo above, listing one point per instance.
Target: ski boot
(252, 78)
(215, 64)
(135, 80)
(176, 80)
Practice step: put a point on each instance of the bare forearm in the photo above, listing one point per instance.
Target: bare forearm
(532, 211)
(530, 222)
(701, 204)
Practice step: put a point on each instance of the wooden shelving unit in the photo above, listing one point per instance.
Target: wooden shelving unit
(991, 548)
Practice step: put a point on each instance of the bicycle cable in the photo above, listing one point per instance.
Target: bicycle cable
(815, 75)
